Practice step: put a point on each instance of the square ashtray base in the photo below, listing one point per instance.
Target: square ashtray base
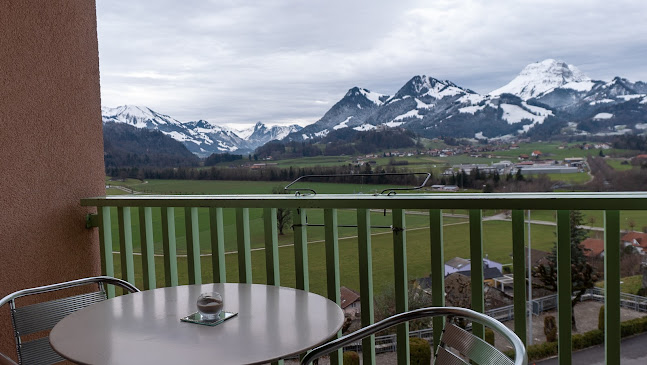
(197, 318)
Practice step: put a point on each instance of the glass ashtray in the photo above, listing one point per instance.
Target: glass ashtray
(199, 319)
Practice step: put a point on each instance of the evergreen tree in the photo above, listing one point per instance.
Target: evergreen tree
(583, 275)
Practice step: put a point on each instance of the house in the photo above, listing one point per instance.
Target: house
(536, 153)
(455, 265)
(636, 239)
(574, 161)
(349, 301)
(459, 264)
(523, 156)
(489, 274)
(593, 247)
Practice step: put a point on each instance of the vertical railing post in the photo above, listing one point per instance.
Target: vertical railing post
(437, 271)
(401, 285)
(612, 286)
(147, 247)
(271, 251)
(564, 287)
(170, 247)
(332, 269)
(126, 245)
(519, 274)
(105, 240)
(217, 230)
(244, 249)
(192, 234)
(476, 262)
(301, 250)
(366, 282)
(271, 247)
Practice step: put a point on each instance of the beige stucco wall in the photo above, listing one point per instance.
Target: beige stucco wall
(51, 146)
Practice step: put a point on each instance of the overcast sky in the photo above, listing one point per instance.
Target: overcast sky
(237, 62)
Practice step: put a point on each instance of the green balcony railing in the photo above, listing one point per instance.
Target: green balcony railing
(205, 238)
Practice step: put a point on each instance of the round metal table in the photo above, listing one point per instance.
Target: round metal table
(272, 323)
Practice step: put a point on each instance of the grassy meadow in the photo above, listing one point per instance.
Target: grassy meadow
(497, 235)
(497, 238)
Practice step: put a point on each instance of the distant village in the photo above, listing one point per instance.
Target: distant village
(535, 163)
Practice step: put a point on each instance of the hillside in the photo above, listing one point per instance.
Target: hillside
(128, 146)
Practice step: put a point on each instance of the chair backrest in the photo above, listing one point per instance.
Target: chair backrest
(34, 319)
(457, 346)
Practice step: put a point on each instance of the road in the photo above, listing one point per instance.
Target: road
(632, 352)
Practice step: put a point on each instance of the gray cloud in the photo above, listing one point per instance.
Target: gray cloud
(288, 61)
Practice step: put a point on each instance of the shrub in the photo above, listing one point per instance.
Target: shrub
(550, 328)
(489, 336)
(601, 319)
(419, 351)
(541, 351)
(351, 358)
(583, 340)
(587, 339)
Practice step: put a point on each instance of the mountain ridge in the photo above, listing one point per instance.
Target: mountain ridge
(200, 137)
(545, 99)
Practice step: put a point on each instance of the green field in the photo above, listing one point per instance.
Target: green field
(225, 187)
(629, 284)
(496, 236)
(576, 178)
(617, 164)
(497, 245)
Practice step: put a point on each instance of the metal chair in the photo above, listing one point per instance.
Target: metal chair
(43, 316)
(457, 346)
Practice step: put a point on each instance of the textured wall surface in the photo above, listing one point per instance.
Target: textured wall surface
(51, 146)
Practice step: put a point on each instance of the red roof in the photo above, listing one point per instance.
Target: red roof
(641, 156)
(537, 152)
(347, 297)
(639, 237)
(594, 247)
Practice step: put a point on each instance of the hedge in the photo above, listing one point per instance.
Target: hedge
(583, 340)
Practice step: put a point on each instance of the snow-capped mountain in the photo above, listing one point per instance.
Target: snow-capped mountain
(546, 98)
(137, 116)
(351, 111)
(542, 77)
(200, 137)
(260, 134)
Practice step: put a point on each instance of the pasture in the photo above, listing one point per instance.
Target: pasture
(497, 236)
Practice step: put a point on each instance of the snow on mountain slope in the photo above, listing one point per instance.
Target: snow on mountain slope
(200, 137)
(261, 134)
(376, 98)
(342, 124)
(539, 78)
(138, 116)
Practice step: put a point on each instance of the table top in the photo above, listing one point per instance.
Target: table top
(272, 323)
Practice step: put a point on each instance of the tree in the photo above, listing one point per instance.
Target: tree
(583, 274)
(283, 215)
(385, 306)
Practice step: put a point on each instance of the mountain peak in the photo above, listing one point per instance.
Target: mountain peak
(539, 78)
(423, 85)
(358, 92)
